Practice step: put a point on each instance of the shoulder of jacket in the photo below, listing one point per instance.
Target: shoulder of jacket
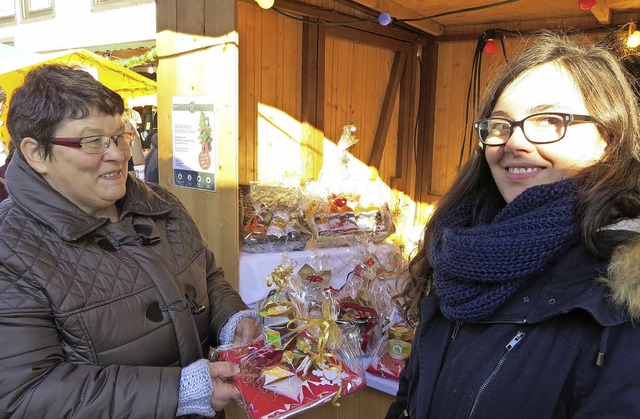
(623, 277)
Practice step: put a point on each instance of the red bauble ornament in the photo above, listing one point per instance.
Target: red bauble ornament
(586, 4)
(489, 46)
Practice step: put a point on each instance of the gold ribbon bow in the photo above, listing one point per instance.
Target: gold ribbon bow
(278, 276)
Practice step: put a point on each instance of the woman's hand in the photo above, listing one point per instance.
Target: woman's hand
(247, 330)
(223, 390)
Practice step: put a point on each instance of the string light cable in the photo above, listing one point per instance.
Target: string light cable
(486, 39)
(386, 19)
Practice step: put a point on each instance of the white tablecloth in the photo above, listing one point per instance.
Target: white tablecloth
(255, 267)
(382, 384)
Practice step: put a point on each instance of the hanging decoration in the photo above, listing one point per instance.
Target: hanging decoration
(624, 41)
(489, 46)
(385, 19)
(148, 58)
(586, 4)
(633, 36)
(265, 4)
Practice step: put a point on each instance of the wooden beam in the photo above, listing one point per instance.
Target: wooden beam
(400, 12)
(386, 111)
(332, 16)
(320, 80)
(602, 12)
(360, 37)
(312, 146)
(425, 139)
(406, 121)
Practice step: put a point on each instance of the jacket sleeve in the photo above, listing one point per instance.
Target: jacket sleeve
(37, 382)
(224, 300)
(612, 390)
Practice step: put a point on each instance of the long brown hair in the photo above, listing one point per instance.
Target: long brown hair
(609, 190)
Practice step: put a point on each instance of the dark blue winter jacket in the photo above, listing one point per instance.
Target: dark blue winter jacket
(558, 349)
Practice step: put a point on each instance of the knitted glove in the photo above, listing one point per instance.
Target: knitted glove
(196, 390)
(229, 329)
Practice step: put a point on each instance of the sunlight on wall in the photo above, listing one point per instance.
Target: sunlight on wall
(280, 162)
(279, 150)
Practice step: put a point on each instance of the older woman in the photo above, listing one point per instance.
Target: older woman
(110, 298)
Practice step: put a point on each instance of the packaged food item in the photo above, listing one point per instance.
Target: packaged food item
(390, 356)
(343, 221)
(272, 219)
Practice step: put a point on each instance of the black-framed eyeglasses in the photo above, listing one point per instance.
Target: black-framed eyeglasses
(539, 128)
(96, 144)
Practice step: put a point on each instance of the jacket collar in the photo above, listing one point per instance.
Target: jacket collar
(574, 282)
(34, 196)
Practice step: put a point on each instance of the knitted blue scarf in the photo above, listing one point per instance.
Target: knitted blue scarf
(477, 268)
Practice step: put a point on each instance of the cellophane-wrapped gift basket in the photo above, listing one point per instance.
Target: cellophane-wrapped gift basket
(272, 219)
(306, 362)
(367, 301)
(346, 205)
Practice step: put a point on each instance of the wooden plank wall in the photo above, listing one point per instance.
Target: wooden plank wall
(356, 77)
(354, 68)
(269, 91)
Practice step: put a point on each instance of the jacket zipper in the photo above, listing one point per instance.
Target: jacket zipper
(456, 328)
(512, 344)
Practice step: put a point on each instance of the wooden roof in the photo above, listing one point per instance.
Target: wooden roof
(440, 17)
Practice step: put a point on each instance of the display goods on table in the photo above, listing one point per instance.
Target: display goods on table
(394, 348)
(343, 206)
(299, 365)
(367, 313)
(272, 219)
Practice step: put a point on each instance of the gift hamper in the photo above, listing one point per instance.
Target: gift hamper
(308, 363)
(271, 219)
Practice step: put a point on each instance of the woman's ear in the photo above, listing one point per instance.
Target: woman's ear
(33, 155)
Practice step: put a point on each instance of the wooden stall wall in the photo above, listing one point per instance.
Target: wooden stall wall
(354, 78)
(301, 82)
(270, 93)
(198, 56)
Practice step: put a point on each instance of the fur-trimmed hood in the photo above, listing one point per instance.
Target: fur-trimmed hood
(623, 273)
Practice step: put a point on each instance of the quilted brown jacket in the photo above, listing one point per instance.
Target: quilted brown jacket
(96, 318)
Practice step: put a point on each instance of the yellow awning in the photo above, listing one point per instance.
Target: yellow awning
(15, 64)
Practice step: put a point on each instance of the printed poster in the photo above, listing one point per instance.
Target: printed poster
(194, 142)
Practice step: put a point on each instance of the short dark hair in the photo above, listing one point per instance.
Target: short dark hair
(53, 93)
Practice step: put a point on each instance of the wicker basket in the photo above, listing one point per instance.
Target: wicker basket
(254, 239)
(337, 238)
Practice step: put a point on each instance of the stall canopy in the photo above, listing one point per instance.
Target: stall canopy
(15, 63)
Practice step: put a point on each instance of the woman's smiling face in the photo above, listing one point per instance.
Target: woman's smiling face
(520, 164)
(93, 182)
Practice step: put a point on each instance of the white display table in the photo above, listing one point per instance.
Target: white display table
(382, 384)
(255, 268)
